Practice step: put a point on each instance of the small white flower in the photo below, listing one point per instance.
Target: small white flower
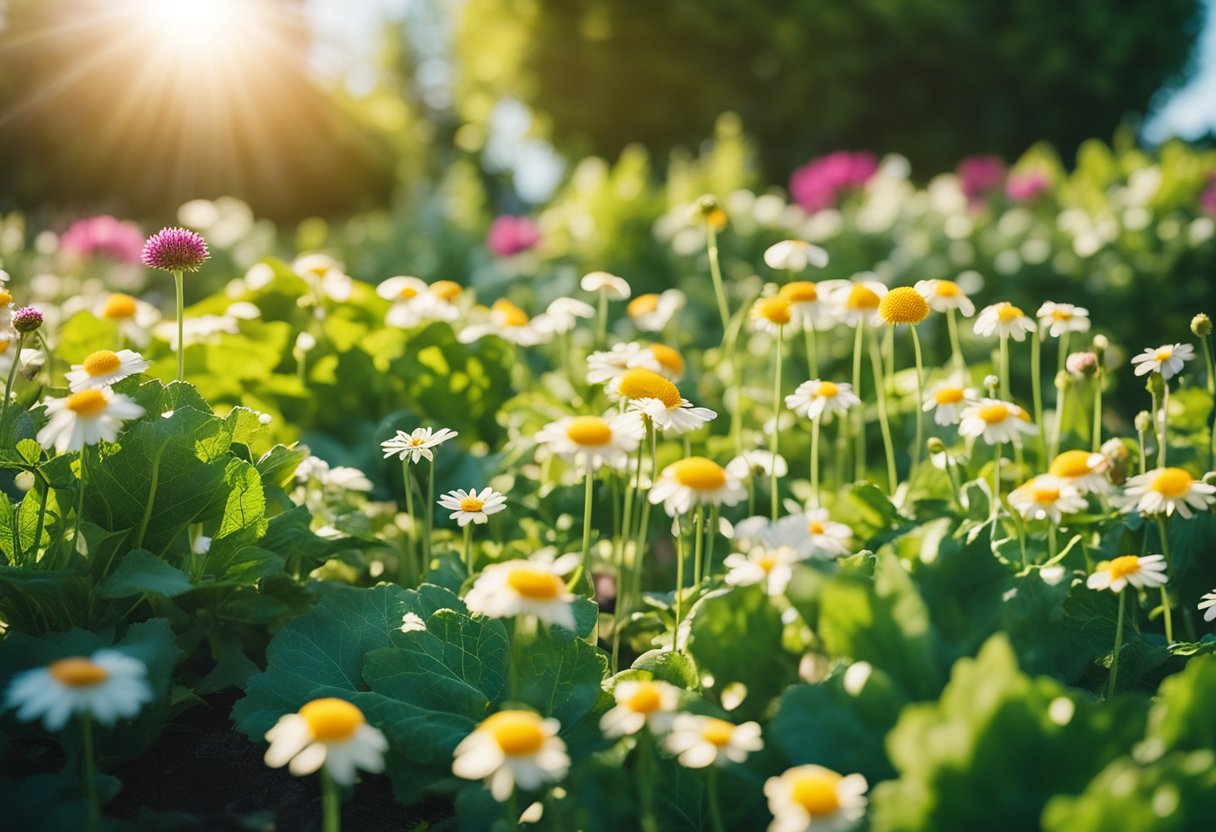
(996, 421)
(701, 741)
(944, 295)
(606, 366)
(512, 749)
(326, 732)
(411, 622)
(807, 306)
(1165, 491)
(1140, 572)
(526, 587)
(86, 418)
(757, 463)
(947, 401)
(592, 441)
(105, 368)
(813, 534)
(1167, 360)
(1059, 318)
(661, 359)
(640, 704)
(509, 322)
(652, 313)
(658, 398)
(773, 314)
(417, 444)
(815, 799)
(1046, 498)
(794, 256)
(853, 301)
(341, 477)
(1207, 605)
(1085, 471)
(414, 302)
(562, 316)
(696, 480)
(816, 398)
(613, 287)
(1006, 320)
(109, 685)
(771, 567)
(135, 318)
(473, 506)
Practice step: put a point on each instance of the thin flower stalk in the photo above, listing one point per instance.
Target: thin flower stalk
(773, 442)
(918, 446)
(885, 425)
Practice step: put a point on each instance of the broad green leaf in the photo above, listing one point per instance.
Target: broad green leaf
(142, 573)
(1182, 718)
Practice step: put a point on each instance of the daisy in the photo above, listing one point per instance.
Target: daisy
(945, 296)
(1083, 470)
(414, 302)
(902, 305)
(512, 749)
(30, 359)
(607, 366)
(104, 368)
(1046, 498)
(416, 444)
(640, 703)
(806, 305)
(326, 732)
(794, 256)
(86, 418)
(1207, 605)
(815, 799)
(1059, 318)
(662, 359)
(772, 314)
(813, 533)
(652, 313)
(853, 301)
(1166, 490)
(1167, 360)
(412, 622)
(526, 587)
(692, 481)
(108, 686)
(561, 316)
(700, 741)
(996, 421)
(816, 398)
(473, 506)
(1141, 572)
(947, 402)
(135, 319)
(611, 286)
(771, 567)
(593, 441)
(757, 463)
(1006, 320)
(325, 276)
(508, 322)
(649, 393)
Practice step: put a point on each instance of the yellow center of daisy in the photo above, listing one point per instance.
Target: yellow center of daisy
(949, 395)
(861, 298)
(903, 305)
(1070, 465)
(994, 414)
(640, 383)
(1164, 354)
(816, 527)
(1059, 314)
(508, 313)
(1123, 566)
(446, 289)
(4, 345)
(408, 293)
(668, 358)
(815, 791)
(86, 403)
(766, 561)
(698, 473)
(775, 310)
(1008, 313)
(471, 503)
(102, 362)
(518, 733)
(119, 306)
(535, 584)
(946, 289)
(1172, 483)
(800, 291)
(716, 218)
(827, 390)
(589, 430)
(6, 297)
(77, 672)
(642, 305)
(646, 699)
(332, 719)
(1045, 495)
(717, 732)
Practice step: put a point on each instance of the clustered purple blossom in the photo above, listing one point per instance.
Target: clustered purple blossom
(820, 183)
(510, 235)
(175, 250)
(103, 236)
(1207, 199)
(978, 175)
(1026, 187)
(27, 319)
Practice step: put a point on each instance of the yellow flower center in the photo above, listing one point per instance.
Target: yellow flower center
(861, 298)
(508, 313)
(6, 297)
(102, 362)
(994, 414)
(698, 473)
(946, 289)
(642, 305)
(903, 305)
(77, 672)
(589, 430)
(408, 293)
(1070, 465)
(1008, 313)
(1061, 314)
(332, 719)
(447, 290)
(774, 310)
(471, 503)
(716, 218)
(86, 403)
(816, 527)
(815, 791)
(1172, 483)
(827, 390)
(417, 441)
(119, 306)
(518, 733)
(800, 291)
(668, 358)
(640, 383)
(535, 584)
(646, 699)
(766, 562)
(1123, 566)
(717, 732)
(4, 345)
(949, 395)
(1045, 495)
(1164, 354)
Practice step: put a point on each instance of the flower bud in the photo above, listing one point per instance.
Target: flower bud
(1082, 364)
(1144, 422)
(1155, 384)
(935, 445)
(1201, 325)
(991, 382)
(1115, 450)
(27, 319)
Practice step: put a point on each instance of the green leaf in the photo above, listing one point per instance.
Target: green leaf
(142, 573)
(1182, 718)
(244, 511)
(671, 667)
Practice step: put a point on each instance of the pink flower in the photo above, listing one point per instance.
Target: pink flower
(175, 250)
(1207, 199)
(103, 236)
(1025, 187)
(511, 235)
(979, 175)
(820, 183)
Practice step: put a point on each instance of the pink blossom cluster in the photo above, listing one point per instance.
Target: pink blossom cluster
(980, 175)
(1027, 187)
(510, 235)
(1207, 199)
(820, 183)
(103, 236)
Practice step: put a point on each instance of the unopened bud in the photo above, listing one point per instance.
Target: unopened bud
(27, 319)
(1115, 450)
(1155, 384)
(936, 446)
(991, 382)
(1082, 363)
(1201, 325)
(1144, 422)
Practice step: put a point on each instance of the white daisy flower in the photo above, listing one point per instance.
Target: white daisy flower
(31, 359)
(135, 318)
(853, 301)
(1058, 318)
(1004, 319)
(324, 274)
(772, 314)
(816, 398)
(815, 799)
(613, 287)
(473, 506)
(771, 567)
(507, 321)
(662, 359)
(512, 749)
(1141, 572)
(652, 313)
(1085, 471)
(757, 463)
(526, 587)
(1165, 491)
(412, 622)
(996, 421)
(1167, 360)
(341, 477)
(807, 306)
(946, 401)
(1207, 605)
(944, 295)
(404, 292)
(109, 685)
(105, 368)
(1046, 498)
(640, 703)
(794, 256)
(752, 531)
(813, 533)
(416, 444)
(700, 741)
(649, 393)
(696, 480)
(606, 366)
(86, 418)
(593, 441)
(326, 732)
(562, 316)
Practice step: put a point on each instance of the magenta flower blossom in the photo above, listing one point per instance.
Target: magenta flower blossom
(979, 175)
(103, 236)
(27, 319)
(175, 250)
(511, 235)
(1026, 187)
(1207, 199)
(821, 183)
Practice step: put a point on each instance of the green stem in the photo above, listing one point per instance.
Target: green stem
(405, 575)
(511, 812)
(90, 771)
(646, 780)
(1004, 368)
(1142, 438)
(815, 493)
(996, 494)
(772, 441)
(711, 537)
(84, 452)
(715, 810)
(601, 327)
(920, 398)
(1114, 659)
(860, 438)
(956, 350)
(698, 539)
(884, 423)
(428, 519)
(42, 498)
(331, 803)
(812, 349)
(468, 549)
(675, 635)
(1097, 429)
(1210, 383)
(1036, 383)
(155, 479)
(1188, 622)
(639, 550)
(1057, 428)
(181, 343)
(588, 496)
(12, 375)
(715, 270)
(1165, 415)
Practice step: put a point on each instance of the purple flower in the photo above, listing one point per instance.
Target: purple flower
(1207, 199)
(820, 183)
(512, 235)
(979, 175)
(175, 250)
(27, 319)
(1025, 187)
(103, 236)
